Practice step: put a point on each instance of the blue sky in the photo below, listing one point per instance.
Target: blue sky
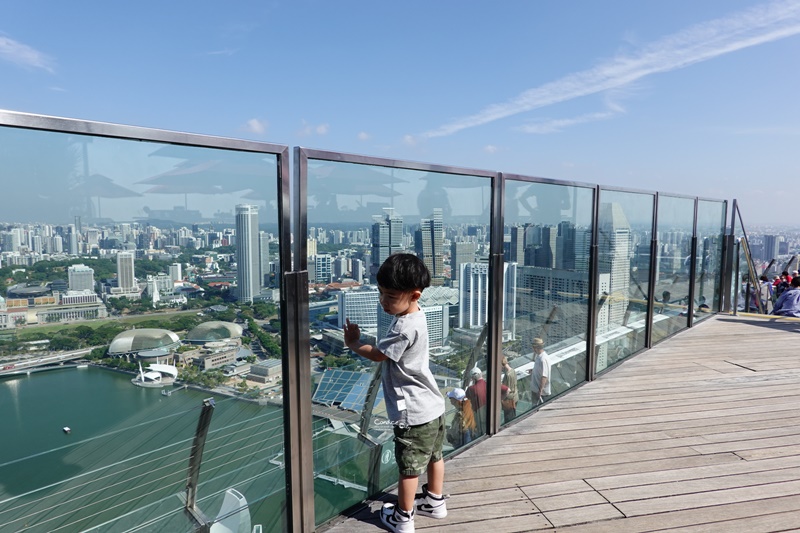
(683, 96)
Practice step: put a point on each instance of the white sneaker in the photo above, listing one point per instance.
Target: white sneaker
(427, 505)
(396, 519)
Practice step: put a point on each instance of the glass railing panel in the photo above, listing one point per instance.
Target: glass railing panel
(674, 234)
(708, 267)
(548, 230)
(747, 282)
(125, 452)
(156, 265)
(624, 235)
(359, 214)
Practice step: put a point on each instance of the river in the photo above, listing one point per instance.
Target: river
(123, 466)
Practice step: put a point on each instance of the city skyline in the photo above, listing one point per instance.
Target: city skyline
(641, 95)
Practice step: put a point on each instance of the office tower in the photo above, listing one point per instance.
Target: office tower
(771, 247)
(429, 245)
(360, 307)
(473, 295)
(322, 268)
(125, 271)
(339, 267)
(175, 272)
(80, 278)
(58, 245)
(36, 244)
(311, 247)
(436, 317)
(264, 239)
(545, 254)
(565, 246)
(614, 255)
(387, 238)
(357, 270)
(461, 252)
(516, 250)
(72, 240)
(583, 244)
(125, 232)
(247, 261)
(12, 240)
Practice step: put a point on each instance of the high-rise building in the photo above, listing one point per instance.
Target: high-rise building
(516, 248)
(264, 239)
(461, 252)
(614, 258)
(81, 278)
(322, 268)
(565, 246)
(360, 307)
(387, 238)
(248, 268)
(126, 279)
(771, 247)
(429, 245)
(175, 272)
(473, 295)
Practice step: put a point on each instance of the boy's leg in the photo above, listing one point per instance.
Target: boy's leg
(406, 491)
(436, 477)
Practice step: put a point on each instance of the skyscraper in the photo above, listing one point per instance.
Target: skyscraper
(473, 311)
(125, 271)
(247, 252)
(263, 257)
(614, 258)
(429, 244)
(387, 238)
(461, 252)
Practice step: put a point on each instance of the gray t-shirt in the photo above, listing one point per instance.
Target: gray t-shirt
(409, 388)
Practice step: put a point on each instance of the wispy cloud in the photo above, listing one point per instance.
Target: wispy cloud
(222, 52)
(254, 125)
(310, 129)
(24, 55)
(490, 149)
(364, 136)
(751, 27)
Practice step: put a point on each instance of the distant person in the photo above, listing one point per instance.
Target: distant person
(413, 401)
(509, 403)
(477, 396)
(783, 285)
(666, 296)
(788, 303)
(540, 375)
(463, 427)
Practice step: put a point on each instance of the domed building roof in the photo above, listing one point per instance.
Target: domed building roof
(136, 340)
(214, 330)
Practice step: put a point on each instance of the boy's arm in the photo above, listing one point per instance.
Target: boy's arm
(352, 336)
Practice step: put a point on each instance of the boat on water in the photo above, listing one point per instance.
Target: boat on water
(157, 376)
(66, 430)
(166, 392)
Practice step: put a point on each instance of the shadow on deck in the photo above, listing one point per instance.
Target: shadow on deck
(700, 433)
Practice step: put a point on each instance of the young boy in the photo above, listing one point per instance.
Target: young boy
(413, 401)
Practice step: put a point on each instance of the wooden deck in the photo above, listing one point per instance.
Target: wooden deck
(700, 433)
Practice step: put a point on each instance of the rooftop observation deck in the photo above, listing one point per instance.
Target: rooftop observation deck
(700, 433)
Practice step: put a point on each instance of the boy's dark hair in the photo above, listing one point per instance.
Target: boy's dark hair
(795, 281)
(785, 273)
(403, 272)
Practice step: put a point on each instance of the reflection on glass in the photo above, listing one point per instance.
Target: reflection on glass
(710, 233)
(139, 256)
(358, 215)
(625, 227)
(547, 239)
(675, 228)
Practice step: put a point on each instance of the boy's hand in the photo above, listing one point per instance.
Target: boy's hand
(351, 333)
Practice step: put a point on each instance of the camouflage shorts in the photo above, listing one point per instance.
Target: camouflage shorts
(416, 446)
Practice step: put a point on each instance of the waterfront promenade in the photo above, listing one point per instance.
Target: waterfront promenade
(700, 433)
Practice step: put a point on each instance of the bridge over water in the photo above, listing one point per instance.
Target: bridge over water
(23, 366)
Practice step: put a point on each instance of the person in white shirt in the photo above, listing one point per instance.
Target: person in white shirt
(540, 375)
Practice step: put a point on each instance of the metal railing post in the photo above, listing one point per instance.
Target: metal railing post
(196, 459)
